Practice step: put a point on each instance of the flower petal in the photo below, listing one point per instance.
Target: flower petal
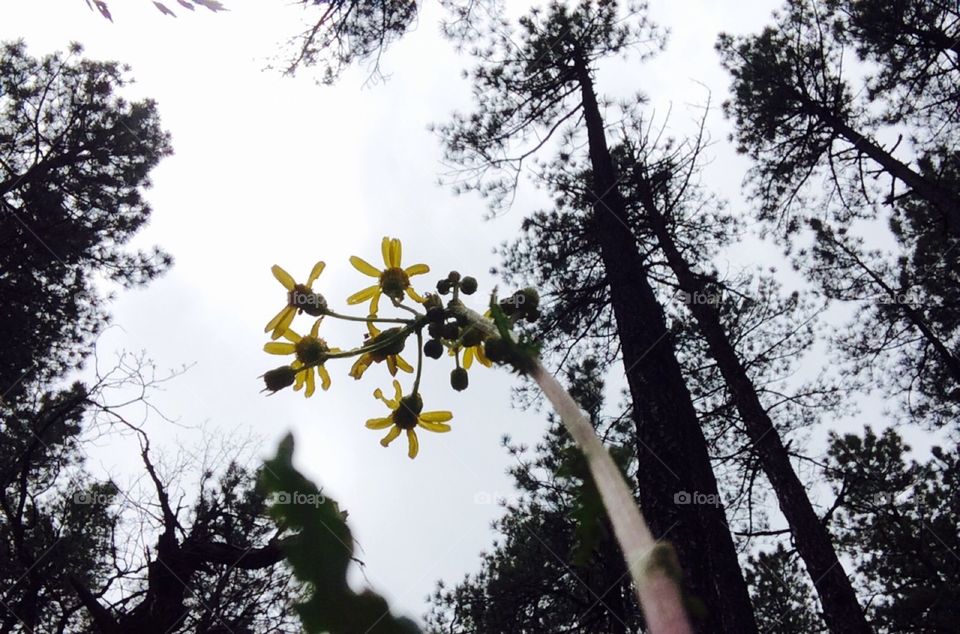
(391, 436)
(414, 295)
(375, 302)
(434, 427)
(385, 252)
(391, 403)
(364, 267)
(436, 417)
(279, 347)
(416, 269)
(413, 445)
(402, 364)
(467, 357)
(311, 384)
(284, 326)
(290, 335)
(397, 391)
(360, 365)
(316, 328)
(395, 250)
(324, 378)
(283, 277)
(272, 325)
(392, 364)
(315, 273)
(482, 357)
(364, 295)
(373, 330)
(379, 423)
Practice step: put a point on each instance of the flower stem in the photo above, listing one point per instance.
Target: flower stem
(416, 381)
(652, 564)
(391, 320)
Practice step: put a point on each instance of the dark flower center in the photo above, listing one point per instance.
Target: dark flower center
(306, 300)
(311, 350)
(405, 416)
(394, 281)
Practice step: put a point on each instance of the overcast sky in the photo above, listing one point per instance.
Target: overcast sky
(273, 170)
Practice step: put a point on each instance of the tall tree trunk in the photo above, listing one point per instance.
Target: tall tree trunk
(673, 460)
(841, 610)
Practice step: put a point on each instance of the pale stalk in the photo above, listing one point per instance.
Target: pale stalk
(653, 565)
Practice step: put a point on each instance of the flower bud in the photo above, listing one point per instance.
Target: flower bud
(451, 331)
(433, 349)
(279, 378)
(454, 277)
(435, 330)
(435, 315)
(459, 379)
(469, 285)
(443, 287)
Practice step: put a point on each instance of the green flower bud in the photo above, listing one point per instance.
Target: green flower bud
(433, 349)
(435, 316)
(279, 378)
(469, 285)
(451, 331)
(459, 379)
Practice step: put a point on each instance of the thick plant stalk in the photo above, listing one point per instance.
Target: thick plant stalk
(652, 565)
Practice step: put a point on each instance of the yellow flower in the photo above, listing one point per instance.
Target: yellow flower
(407, 414)
(311, 353)
(300, 297)
(393, 281)
(389, 354)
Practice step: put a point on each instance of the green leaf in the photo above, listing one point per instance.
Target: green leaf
(320, 552)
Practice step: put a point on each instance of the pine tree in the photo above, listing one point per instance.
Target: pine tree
(536, 86)
(75, 157)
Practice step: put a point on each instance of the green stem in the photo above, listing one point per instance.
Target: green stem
(416, 382)
(390, 320)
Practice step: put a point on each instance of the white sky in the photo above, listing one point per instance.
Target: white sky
(277, 170)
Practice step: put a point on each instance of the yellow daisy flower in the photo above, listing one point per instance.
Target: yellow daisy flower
(393, 281)
(311, 353)
(393, 358)
(299, 297)
(406, 416)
